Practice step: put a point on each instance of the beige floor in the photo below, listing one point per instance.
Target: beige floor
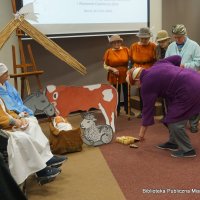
(85, 176)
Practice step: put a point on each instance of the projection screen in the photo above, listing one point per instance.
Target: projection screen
(79, 17)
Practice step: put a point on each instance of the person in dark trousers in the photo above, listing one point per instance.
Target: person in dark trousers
(9, 190)
(189, 51)
(142, 54)
(116, 61)
(167, 80)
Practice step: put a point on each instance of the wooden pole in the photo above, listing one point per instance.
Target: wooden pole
(129, 101)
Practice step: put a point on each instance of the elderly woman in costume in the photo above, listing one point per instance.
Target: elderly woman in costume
(163, 41)
(10, 95)
(28, 148)
(142, 53)
(116, 63)
(167, 80)
(189, 50)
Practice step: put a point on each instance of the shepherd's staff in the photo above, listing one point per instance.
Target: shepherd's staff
(117, 86)
(129, 92)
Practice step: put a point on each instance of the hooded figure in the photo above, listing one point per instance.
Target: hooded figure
(181, 89)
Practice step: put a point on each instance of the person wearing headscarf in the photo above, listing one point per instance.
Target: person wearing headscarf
(9, 189)
(116, 61)
(10, 95)
(167, 80)
(189, 51)
(28, 147)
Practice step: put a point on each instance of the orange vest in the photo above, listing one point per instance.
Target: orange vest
(118, 59)
(143, 55)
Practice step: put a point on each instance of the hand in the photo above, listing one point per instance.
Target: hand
(182, 66)
(26, 114)
(127, 79)
(24, 124)
(23, 114)
(141, 138)
(18, 123)
(115, 71)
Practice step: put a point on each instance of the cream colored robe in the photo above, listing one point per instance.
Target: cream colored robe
(28, 150)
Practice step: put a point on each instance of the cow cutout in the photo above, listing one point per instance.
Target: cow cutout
(67, 99)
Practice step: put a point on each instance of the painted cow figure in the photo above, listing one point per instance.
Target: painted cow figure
(67, 99)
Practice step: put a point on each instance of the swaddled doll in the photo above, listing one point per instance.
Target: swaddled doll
(61, 124)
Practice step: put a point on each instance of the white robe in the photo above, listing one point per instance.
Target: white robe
(28, 151)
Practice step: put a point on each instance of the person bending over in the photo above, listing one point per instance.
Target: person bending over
(165, 79)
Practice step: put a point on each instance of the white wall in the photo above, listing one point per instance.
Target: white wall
(155, 16)
(6, 50)
(90, 54)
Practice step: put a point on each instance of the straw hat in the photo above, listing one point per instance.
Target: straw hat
(115, 38)
(179, 29)
(144, 33)
(162, 35)
(3, 68)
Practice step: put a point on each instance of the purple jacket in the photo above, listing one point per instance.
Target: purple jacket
(180, 88)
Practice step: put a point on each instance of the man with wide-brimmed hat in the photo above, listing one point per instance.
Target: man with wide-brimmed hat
(189, 51)
(167, 80)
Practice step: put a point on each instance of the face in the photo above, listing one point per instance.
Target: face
(164, 43)
(180, 39)
(116, 44)
(144, 41)
(4, 77)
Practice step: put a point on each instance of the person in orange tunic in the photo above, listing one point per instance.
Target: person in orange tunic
(143, 53)
(116, 63)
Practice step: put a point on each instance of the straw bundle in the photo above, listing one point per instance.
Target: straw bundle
(51, 46)
(7, 31)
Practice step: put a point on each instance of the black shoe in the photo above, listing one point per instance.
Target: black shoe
(46, 175)
(56, 161)
(180, 154)
(194, 129)
(168, 145)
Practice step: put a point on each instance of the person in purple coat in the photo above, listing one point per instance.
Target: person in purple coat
(180, 88)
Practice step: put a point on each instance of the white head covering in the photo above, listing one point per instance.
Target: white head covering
(3, 68)
(133, 74)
